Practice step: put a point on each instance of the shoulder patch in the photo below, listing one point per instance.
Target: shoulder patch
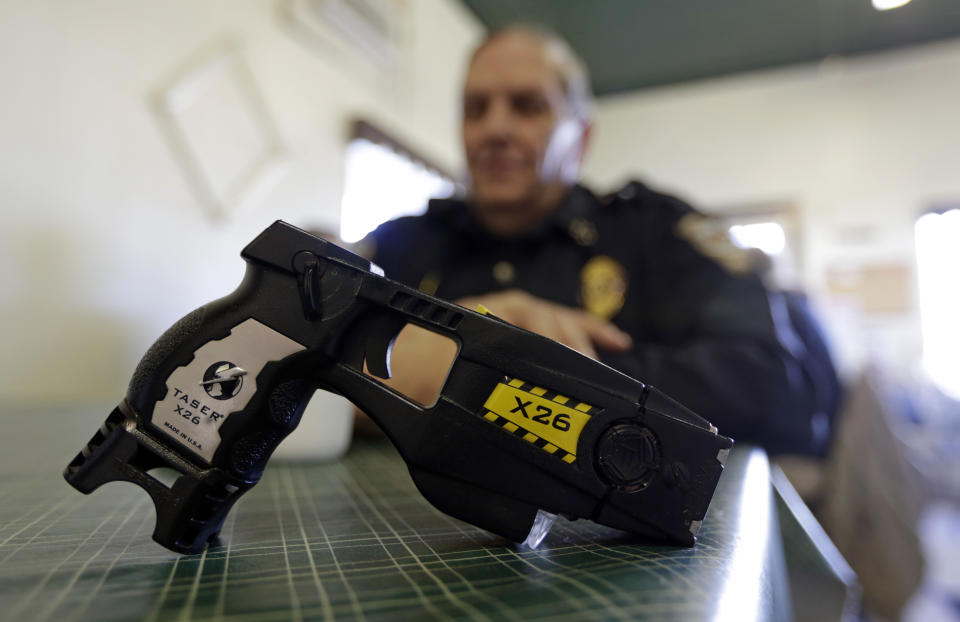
(712, 239)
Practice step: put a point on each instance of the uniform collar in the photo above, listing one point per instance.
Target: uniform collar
(578, 206)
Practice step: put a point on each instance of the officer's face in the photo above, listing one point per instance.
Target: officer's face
(522, 148)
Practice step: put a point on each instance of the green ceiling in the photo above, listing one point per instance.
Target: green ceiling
(635, 44)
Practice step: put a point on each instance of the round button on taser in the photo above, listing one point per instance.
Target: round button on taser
(628, 455)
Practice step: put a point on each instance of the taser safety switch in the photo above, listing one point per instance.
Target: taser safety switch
(523, 430)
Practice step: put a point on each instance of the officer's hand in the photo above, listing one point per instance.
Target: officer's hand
(419, 362)
(420, 358)
(572, 327)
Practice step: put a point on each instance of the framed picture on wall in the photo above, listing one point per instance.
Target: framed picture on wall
(220, 131)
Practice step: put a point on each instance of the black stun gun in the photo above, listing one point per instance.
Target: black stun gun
(524, 428)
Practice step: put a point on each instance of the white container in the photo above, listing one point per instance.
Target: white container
(324, 431)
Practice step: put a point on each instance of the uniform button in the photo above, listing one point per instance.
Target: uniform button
(583, 232)
(504, 272)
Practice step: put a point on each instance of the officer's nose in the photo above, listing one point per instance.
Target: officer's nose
(498, 122)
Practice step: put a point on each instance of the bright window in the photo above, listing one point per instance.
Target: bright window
(937, 239)
(767, 236)
(384, 182)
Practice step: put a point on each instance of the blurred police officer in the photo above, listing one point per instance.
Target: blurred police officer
(636, 279)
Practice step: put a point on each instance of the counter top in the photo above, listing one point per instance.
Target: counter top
(354, 539)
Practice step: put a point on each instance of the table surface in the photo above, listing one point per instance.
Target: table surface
(354, 539)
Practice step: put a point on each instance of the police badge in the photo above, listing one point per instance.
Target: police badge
(603, 286)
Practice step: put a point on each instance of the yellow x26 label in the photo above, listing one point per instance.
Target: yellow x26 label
(550, 421)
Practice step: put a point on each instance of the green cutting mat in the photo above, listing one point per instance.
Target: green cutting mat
(351, 539)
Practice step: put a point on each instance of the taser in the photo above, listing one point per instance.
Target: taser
(524, 429)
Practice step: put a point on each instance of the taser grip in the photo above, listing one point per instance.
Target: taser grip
(135, 439)
(190, 512)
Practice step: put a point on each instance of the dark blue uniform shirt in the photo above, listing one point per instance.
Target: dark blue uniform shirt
(704, 329)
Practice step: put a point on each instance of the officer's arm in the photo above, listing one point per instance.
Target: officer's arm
(716, 343)
(420, 359)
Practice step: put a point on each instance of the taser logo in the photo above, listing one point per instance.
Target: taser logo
(223, 380)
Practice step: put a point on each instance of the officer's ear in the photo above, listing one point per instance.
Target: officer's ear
(565, 151)
(585, 140)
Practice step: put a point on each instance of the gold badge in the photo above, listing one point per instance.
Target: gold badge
(711, 237)
(603, 286)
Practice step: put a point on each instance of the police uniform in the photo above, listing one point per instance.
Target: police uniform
(702, 323)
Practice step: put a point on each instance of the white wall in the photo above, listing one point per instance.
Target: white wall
(860, 146)
(103, 243)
